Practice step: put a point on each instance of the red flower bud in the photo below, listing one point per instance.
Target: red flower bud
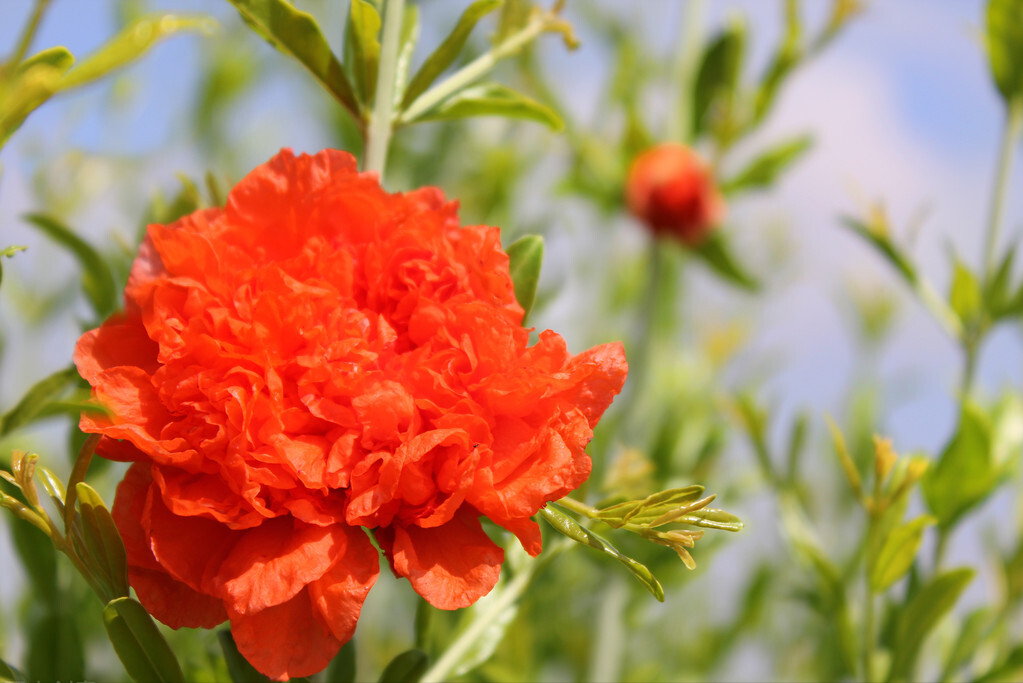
(670, 189)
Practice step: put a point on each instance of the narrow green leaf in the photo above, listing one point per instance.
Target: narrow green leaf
(964, 474)
(34, 402)
(525, 257)
(362, 48)
(1004, 41)
(764, 170)
(106, 549)
(974, 631)
(447, 52)
(406, 47)
(132, 43)
(797, 442)
(296, 33)
(55, 648)
(996, 289)
(785, 59)
(8, 252)
(564, 523)
(408, 667)
(921, 615)
(647, 510)
(898, 552)
(38, 557)
(716, 252)
(712, 518)
(237, 666)
(964, 295)
(9, 674)
(883, 244)
(58, 57)
(139, 644)
(97, 280)
(342, 668)
(484, 645)
(1010, 668)
(718, 74)
(491, 99)
(26, 94)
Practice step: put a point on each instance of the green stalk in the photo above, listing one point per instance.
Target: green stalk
(381, 120)
(475, 69)
(1010, 134)
(28, 33)
(690, 42)
(869, 619)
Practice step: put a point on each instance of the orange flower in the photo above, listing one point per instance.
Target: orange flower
(318, 359)
(672, 191)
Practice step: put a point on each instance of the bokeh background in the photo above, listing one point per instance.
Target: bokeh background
(902, 112)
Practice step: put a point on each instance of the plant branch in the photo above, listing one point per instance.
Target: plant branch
(28, 33)
(477, 68)
(381, 121)
(1010, 134)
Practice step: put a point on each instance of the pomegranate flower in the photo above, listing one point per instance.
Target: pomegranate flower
(315, 362)
(671, 190)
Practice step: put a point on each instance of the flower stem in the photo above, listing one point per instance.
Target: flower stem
(475, 69)
(381, 121)
(688, 54)
(1011, 133)
(28, 33)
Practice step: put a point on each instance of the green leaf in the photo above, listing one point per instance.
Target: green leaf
(712, 518)
(975, 630)
(362, 48)
(786, 57)
(296, 33)
(408, 667)
(525, 257)
(97, 280)
(571, 528)
(9, 674)
(342, 668)
(139, 644)
(35, 401)
(132, 43)
(55, 649)
(26, 94)
(1010, 668)
(964, 295)
(964, 474)
(58, 57)
(650, 509)
(237, 666)
(406, 47)
(898, 552)
(448, 51)
(491, 99)
(103, 542)
(718, 74)
(716, 252)
(919, 617)
(763, 171)
(38, 557)
(883, 243)
(8, 252)
(1004, 41)
(486, 642)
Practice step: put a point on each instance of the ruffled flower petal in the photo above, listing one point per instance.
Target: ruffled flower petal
(452, 565)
